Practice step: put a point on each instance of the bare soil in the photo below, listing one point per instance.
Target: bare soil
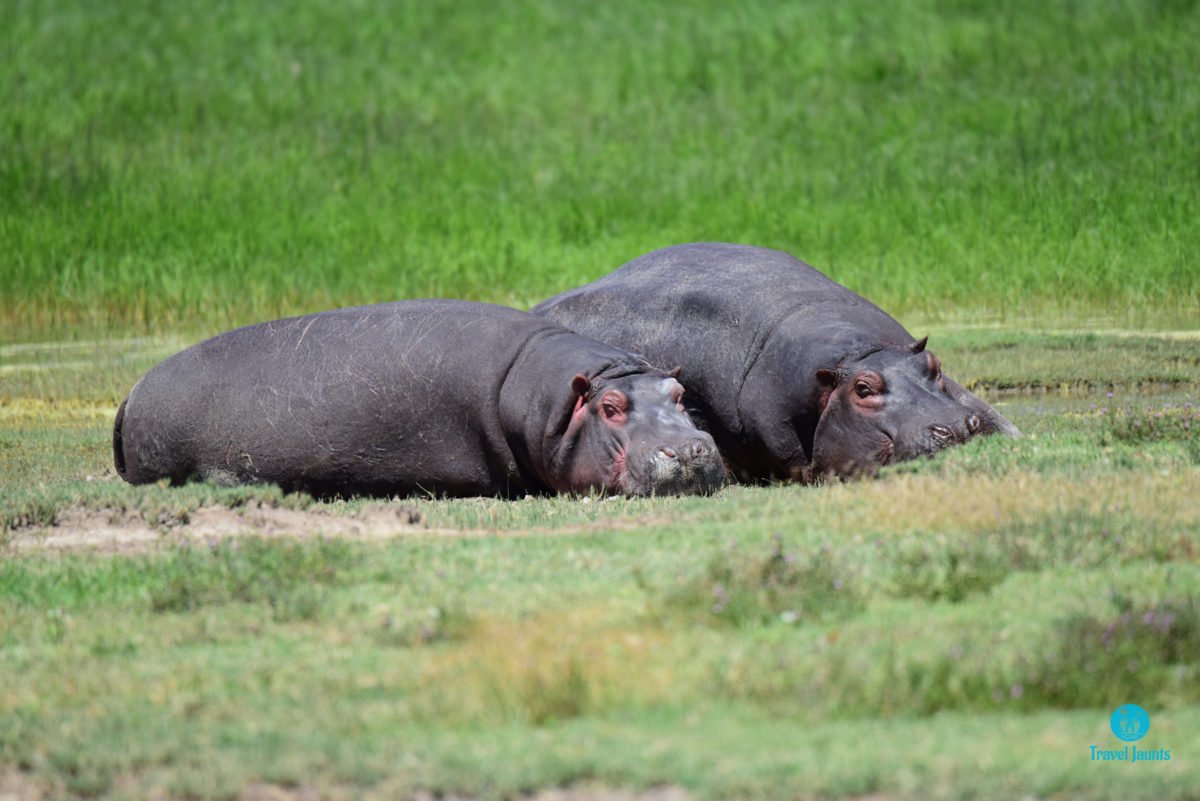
(20, 786)
(127, 531)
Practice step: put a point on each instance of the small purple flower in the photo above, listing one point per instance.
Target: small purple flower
(1017, 691)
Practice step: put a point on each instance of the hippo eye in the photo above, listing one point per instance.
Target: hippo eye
(613, 406)
(863, 389)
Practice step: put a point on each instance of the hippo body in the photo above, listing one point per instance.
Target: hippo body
(439, 397)
(793, 374)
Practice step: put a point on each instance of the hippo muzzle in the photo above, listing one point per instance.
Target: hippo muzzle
(893, 406)
(632, 435)
(693, 466)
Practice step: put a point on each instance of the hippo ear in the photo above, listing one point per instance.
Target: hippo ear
(678, 371)
(919, 345)
(827, 380)
(580, 385)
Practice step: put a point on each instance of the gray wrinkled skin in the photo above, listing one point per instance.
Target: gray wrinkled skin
(794, 375)
(432, 397)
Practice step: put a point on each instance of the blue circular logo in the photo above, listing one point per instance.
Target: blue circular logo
(1129, 722)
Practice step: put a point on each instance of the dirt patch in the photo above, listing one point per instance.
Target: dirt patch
(18, 786)
(127, 531)
(271, 792)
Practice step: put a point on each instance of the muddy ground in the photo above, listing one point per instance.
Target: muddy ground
(129, 531)
(18, 786)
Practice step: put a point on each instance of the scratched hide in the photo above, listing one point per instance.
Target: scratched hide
(435, 396)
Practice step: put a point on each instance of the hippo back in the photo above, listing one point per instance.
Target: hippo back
(713, 309)
(751, 328)
(345, 398)
(437, 396)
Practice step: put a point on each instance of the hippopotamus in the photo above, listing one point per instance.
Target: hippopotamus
(795, 376)
(439, 397)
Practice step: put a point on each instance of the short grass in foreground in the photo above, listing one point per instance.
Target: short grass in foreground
(959, 628)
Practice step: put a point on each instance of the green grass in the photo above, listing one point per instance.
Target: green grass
(959, 628)
(211, 164)
(1020, 178)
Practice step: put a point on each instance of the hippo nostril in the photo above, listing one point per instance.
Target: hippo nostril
(697, 449)
(974, 423)
(667, 452)
(941, 433)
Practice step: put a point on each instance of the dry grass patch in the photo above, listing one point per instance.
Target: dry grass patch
(550, 667)
(913, 504)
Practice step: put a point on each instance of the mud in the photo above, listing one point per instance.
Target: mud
(19, 786)
(127, 531)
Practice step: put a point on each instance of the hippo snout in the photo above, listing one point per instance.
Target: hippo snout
(942, 435)
(952, 432)
(692, 466)
(696, 449)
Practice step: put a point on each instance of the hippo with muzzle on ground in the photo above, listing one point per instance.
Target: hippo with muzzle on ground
(435, 396)
(794, 375)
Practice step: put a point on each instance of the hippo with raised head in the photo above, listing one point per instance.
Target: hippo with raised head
(435, 396)
(794, 375)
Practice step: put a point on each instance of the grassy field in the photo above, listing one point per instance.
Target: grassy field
(959, 628)
(1018, 178)
(235, 161)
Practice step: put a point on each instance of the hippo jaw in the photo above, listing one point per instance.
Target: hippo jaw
(690, 467)
(632, 437)
(892, 405)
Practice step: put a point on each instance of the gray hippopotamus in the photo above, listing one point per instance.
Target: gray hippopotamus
(434, 396)
(793, 374)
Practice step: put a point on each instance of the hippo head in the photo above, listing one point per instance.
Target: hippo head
(893, 404)
(631, 435)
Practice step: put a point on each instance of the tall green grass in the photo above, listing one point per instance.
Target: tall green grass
(222, 162)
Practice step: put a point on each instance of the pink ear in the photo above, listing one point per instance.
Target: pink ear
(678, 371)
(579, 387)
(677, 396)
(828, 381)
(934, 364)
